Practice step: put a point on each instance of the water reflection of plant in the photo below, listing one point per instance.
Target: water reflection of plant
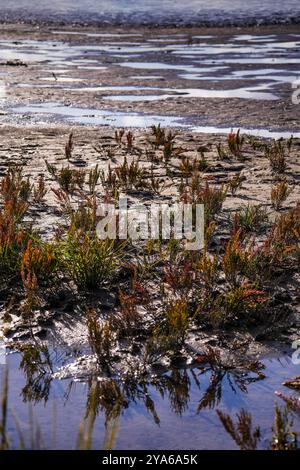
(112, 396)
(239, 375)
(37, 367)
(247, 438)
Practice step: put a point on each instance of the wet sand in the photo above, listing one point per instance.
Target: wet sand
(230, 77)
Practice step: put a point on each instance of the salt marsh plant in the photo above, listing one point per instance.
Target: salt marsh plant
(89, 261)
(129, 319)
(69, 147)
(119, 136)
(129, 175)
(250, 218)
(213, 199)
(14, 186)
(155, 184)
(195, 191)
(179, 274)
(32, 300)
(207, 270)
(39, 190)
(188, 166)
(292, 403)
(277, 157)
(176, 323)
(235, 260)
(84, 217)
(69, 179)
(93, 178)
(40, 260)
(110, 181)
(222, 153)
(129, 140)
(279, 194)
(159, 135)
(245, 300)
(235, 144)
(14, 234)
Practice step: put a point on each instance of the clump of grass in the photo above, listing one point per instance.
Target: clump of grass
(39, 190)
(69, 147)
(39, 260)
(90, 262)
(277, 157)
(235, 261)
(242, 431)
(208, 272)
(244, 300)
(93, 178)
(159, 135)
(129, 176)
(129, 139)
(32, 300)
(188, 167)
(250, 218)
(222, 154)
(193, 191)
(213, 199)
(179, 274)
(14, 186)
(235, 144)
(279, 194)
(129, 319)
(177, 322)
(69, 179)
(119, 136)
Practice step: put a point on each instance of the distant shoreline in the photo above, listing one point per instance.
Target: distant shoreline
(132, 21)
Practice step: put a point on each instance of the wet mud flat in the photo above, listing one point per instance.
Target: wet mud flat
(162, 338)
(238, 77)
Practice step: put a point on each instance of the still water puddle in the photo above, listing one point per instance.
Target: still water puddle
(265, 133)
(253, 93)
(177, 408)
(99, 117)
(106, 117)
